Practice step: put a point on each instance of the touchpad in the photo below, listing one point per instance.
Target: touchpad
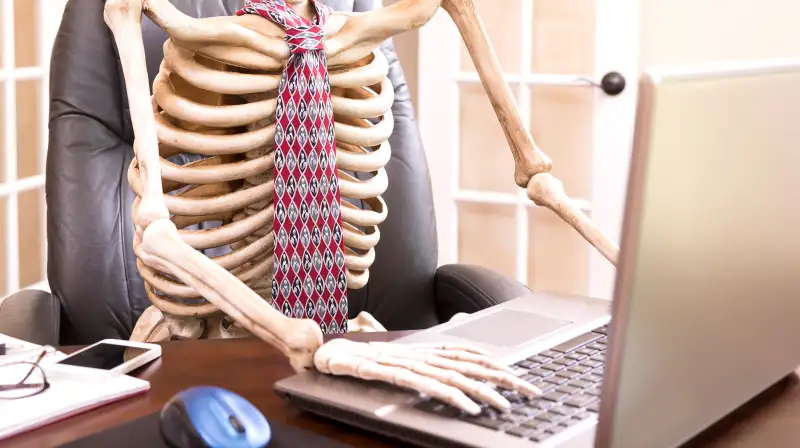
(507, 328)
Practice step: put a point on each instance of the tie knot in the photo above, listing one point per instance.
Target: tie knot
(304, 38)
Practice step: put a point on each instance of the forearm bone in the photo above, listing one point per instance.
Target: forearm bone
(532, 166)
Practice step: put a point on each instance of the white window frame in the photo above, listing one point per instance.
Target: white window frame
(440, 75)
(48, 18)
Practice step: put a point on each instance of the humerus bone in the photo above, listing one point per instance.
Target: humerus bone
(168, 258)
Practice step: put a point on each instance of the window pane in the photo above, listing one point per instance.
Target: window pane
(25, 36)
(485, 161)
(502, 23)
(2, 131)
(558, 256)
(563, 36)
(486, 236)
(28, 128)
(31, 239)
(3, 283)
(561, 124)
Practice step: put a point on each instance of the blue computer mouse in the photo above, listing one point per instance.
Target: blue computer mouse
(211, 417)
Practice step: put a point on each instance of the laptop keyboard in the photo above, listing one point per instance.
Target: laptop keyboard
(570, 376)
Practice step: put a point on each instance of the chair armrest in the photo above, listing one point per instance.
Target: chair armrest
(464, 288)
(31, 315)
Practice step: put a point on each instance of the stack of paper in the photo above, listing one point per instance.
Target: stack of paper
(66, 396)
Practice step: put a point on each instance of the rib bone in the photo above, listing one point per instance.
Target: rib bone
(219, 76)
(225, 113)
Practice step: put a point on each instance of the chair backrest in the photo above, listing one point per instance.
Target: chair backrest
(91, 265)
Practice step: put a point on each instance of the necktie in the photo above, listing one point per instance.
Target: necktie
(309, 273)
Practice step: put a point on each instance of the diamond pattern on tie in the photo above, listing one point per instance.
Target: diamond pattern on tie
(309, 279)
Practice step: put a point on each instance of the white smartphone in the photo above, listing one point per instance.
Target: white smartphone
(109, 357)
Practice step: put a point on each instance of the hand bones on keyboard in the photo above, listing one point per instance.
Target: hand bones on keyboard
(444, 372)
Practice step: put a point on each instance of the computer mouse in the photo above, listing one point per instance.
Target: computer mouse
(211, 417)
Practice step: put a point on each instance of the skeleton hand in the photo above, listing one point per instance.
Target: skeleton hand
(451, 373)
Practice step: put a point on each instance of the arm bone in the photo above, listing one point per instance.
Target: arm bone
(532, 166)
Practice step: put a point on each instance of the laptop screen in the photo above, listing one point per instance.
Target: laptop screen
(706, 298)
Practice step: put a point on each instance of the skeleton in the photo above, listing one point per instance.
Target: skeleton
(219, 76)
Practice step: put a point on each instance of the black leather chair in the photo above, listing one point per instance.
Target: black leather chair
(97, 292)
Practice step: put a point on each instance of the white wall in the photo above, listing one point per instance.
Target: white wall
(697, 31)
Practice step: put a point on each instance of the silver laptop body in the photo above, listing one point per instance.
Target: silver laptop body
(706, 301)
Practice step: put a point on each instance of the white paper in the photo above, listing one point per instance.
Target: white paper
(19, 350)
(66, 395)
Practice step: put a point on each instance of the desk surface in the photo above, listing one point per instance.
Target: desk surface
(250, 367)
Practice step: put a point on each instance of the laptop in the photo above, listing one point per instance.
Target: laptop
(706, 301)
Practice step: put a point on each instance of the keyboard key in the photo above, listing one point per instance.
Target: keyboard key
(527, 364)
(580, 401)
(569, 374)
(564, 361)
(545, 386)
(593, 378)
(540, 372)
(595, 391)
(527, 411)
(511, 417)
(522, 431)
(602, 330)
(576, 356)
(486, 422)
(600, 357)
(556, 380)
(555, 396)
(551, 366)
(591, 363)
(576, 342)
(582, 416)
(586, 351)
(563, 410)
(594, 407)
(581, 383)
(572, 390)
(544, 405)
(538, 359)
(538, 425)
(596, 346)
(550, 417)
(550, 354)
(580, 369)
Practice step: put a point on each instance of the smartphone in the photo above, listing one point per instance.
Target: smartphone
(109, 357)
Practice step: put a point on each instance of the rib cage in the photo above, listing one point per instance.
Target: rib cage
(216, 105)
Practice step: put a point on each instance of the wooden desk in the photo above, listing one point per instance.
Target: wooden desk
(250, 367)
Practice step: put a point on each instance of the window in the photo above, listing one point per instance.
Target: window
(27, 30)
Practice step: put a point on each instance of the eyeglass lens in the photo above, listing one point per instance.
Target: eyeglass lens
(20, 380)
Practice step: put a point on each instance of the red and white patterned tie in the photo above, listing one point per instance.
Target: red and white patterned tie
(309, 274)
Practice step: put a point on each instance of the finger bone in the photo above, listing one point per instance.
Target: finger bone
(474, 388)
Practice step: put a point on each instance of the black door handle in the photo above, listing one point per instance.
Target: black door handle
(613, 83)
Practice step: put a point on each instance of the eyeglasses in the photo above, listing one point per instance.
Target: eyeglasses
(23, 379)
